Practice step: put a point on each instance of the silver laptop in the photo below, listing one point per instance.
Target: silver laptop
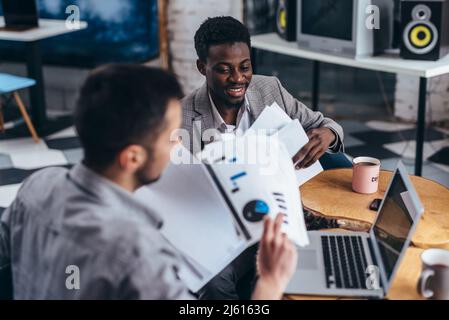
(361, 264)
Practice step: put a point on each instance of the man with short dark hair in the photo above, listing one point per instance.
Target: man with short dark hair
(231, 99)
(81, 233)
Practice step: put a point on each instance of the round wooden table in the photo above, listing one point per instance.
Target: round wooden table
(331, 194)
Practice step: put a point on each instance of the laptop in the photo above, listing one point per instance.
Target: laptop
(361, 264)
(20, 15)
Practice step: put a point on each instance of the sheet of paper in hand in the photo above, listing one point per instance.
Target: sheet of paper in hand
(256, 177)
(273, 121)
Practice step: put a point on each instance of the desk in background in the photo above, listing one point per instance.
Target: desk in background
(31, 38)
(331, 194)
(422, 69)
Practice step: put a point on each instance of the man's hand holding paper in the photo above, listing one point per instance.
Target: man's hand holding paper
(320, 139)
(300, 145)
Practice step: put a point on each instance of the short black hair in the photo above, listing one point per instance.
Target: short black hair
(219, 30)
(120, 105)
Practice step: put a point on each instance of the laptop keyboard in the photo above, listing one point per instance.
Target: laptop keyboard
(345, 262)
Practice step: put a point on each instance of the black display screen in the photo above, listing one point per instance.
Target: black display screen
(393, 224)
(327, 18)
(20, 13)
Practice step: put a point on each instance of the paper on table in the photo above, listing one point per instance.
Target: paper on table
(274, 121)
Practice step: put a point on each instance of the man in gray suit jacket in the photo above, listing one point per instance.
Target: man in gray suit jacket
(232, 97)
(229, 102)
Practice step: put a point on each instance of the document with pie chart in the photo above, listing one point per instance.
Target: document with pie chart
(213, 204)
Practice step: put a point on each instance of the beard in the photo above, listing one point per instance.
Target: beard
(142, 176)
(234, 105)
(144, 181)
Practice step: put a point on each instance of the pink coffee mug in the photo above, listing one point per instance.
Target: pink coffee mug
(365, 175)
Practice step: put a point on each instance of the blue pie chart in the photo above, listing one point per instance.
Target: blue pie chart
(254, 211)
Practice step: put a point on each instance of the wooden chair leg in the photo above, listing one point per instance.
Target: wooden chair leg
(2, 121)
(25, 116)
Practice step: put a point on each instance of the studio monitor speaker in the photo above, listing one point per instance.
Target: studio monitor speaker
(286, 19)
(425, 29)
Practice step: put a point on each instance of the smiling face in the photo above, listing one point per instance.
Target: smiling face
(228, 72)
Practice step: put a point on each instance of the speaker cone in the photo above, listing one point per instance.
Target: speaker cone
(282, 18)
(420, 37)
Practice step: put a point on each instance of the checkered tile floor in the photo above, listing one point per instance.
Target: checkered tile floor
(391, 142)
(20, 156)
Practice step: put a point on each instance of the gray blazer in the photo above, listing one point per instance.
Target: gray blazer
(263, 91)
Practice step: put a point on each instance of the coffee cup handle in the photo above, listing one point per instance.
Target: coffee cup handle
(422, 285)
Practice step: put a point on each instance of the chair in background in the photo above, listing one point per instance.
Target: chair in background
(10, 85)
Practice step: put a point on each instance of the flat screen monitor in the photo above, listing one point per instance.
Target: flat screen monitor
(20, 14)
(335, 26)
(329, 18)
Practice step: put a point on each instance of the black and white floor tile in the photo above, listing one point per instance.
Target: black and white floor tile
(20, 156)
(391, 142)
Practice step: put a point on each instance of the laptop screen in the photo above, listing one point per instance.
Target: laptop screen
(393, 223)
